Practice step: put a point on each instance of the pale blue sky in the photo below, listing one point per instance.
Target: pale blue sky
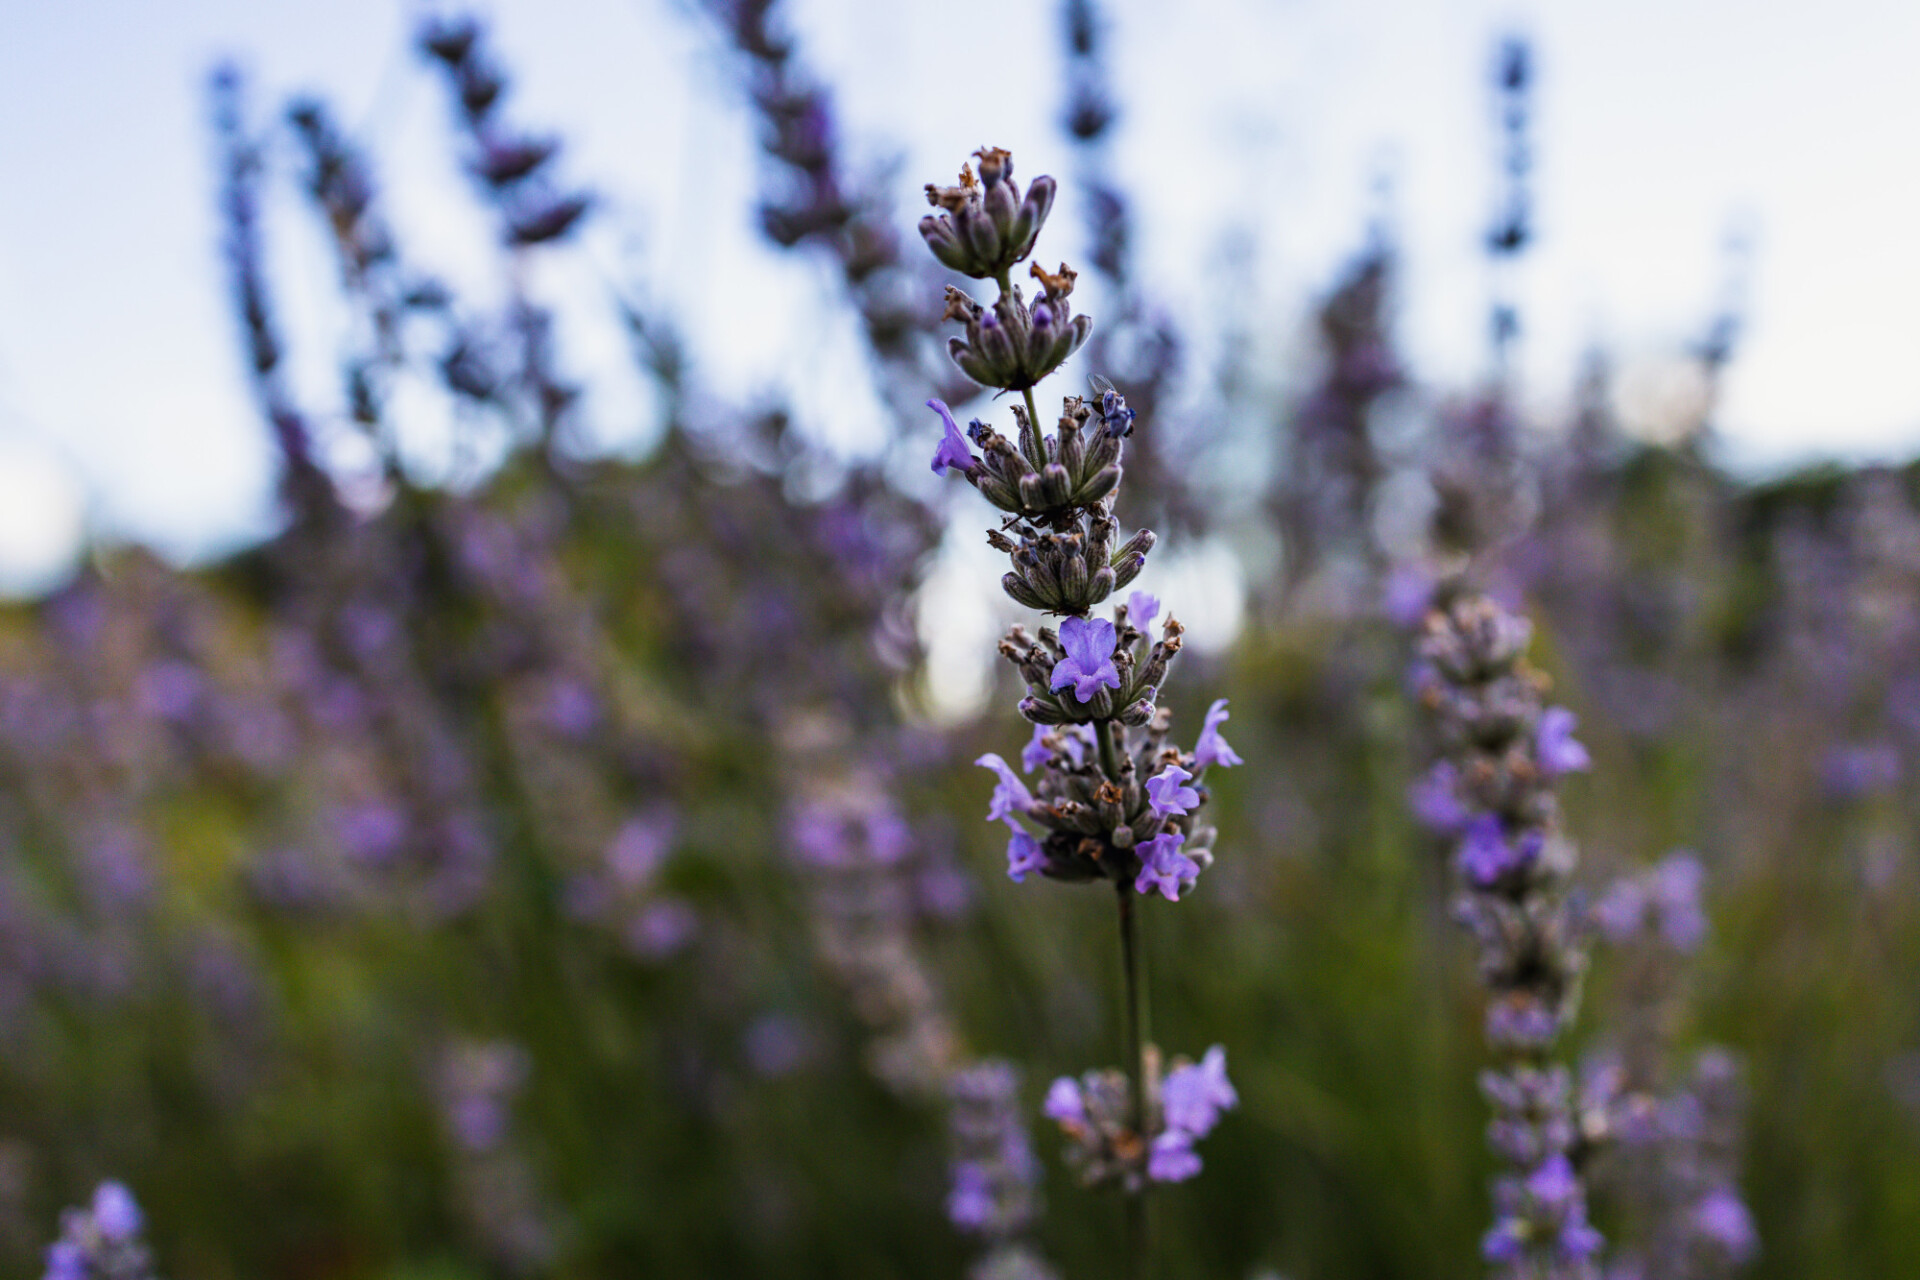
(1659, 124)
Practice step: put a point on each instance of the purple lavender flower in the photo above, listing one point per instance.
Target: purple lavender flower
(1010, 796)
(1036, 752)
(1024, 854)
(1172, 1158)
(970, 1203)
(1578, 1240)
(953, 451)
(1195, 1094)
(1620, 910)
(1142, 609)
(66, 1261)
(1212, 749)
(1675, 889)
(1435, 799)
(1554, 745)
(1553, 1185)
(1167, 795)
(1088, 665)
(1485, 856)
(1724, 1222)
(1164, 867)
(1064, 1103)
(115, 1214)
(1505, 1241)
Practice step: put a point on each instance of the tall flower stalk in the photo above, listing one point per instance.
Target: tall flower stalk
(1492, 792)
(1113, 801)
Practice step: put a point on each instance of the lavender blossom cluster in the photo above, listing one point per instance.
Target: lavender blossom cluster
(1113, 799)
(1492, 793)
(102, 1241)
(1181, 1109)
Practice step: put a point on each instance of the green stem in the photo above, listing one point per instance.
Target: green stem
(1109, 757)
(1136, 1201)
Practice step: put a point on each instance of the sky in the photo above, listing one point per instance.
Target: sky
(1660, 127)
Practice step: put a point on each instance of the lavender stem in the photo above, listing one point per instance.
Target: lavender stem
(1136, 1201)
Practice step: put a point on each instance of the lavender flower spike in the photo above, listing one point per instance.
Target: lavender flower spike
(953, 451)
(1089, 662)
(1164, 867)
(1168, 795)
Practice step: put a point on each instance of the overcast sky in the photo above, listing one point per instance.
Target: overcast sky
(1660, 125)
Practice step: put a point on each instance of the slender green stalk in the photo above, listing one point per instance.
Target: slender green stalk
(1136, 1201)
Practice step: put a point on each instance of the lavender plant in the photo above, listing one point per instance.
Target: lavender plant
(1492, 791)
(1113, 802)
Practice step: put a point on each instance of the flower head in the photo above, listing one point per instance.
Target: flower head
(1168, 795)
(1171, 1157)
(953, 451)
(1088, 665)
(1195, 1094)
(1065, 1104)
(1024, 854)
(1036, 752)
(1435, 799)
(1142, 608)
(115, 1214)
(1212, 748)
(1164, 867)
(1010, 796)
(1555, 746)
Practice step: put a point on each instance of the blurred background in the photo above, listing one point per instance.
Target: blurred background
(488, 687)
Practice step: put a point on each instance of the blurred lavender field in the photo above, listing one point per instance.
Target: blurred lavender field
(538, 857)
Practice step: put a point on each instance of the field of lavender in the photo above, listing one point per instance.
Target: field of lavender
(578, 872)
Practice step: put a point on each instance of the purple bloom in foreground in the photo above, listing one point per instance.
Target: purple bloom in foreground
(1142, 609)
(1089, 662)
(1171, 1158)
(1010, 796)
(1212, 748)
(953, 451)
(1167, 794)
(1554, 745)
(1024, 854)
(1164, 867)
(1064, 1103)
(1194, 1095)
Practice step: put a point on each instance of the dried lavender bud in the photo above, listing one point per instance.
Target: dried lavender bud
(986, 227)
